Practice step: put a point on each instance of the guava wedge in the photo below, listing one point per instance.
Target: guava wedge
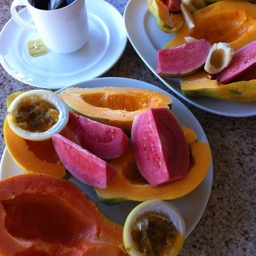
(160, 148)
(243, 62)
(182, 60)
(82, 164)
(104, 141)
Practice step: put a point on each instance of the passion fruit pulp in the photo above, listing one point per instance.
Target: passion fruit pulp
(154, 227)
(37, 115)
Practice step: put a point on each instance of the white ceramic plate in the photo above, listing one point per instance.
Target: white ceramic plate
(106, 44)
(191, 206)
(147, 39)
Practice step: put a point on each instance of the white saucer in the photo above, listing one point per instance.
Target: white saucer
(106, 45)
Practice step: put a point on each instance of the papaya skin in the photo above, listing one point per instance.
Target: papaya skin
(128, 184)
(199, 84)
(35, 218)
(232, 22)
(166, 21)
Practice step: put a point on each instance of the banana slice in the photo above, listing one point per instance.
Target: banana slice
(218, 58)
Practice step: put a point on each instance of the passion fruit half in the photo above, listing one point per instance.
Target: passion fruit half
(154, 227)
(37, 115)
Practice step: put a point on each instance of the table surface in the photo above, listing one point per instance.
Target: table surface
(228, 225)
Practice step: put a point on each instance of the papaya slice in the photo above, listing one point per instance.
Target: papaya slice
(44, 215)
(116, 106)
(230, 22)
(160, 148)
(128, 183)
(201, 85)
(104, 141)
(81, 163)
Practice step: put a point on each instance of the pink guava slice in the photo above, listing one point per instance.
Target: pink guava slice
(242, 65)
(105, 141)
(160, 148)
(82, 164)
(182, 60)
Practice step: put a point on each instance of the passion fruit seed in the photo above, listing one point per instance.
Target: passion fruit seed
(154, 227)
(153, 233)
(37, 115)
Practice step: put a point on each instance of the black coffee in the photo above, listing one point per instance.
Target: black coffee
(50, 4)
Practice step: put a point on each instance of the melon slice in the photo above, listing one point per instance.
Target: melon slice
(82, 164)
(104, 141)
(182, 60)
(243, 62)
(160, 148)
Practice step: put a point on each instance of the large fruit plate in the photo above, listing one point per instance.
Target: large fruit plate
(146, 38)
(191, 206)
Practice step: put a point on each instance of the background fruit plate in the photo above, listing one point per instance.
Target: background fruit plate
(191, 206)
(147, 39)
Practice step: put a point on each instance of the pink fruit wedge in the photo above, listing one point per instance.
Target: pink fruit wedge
(103, 140)
(82, 164)
(182, 60)
(242, 65)
(160, 148)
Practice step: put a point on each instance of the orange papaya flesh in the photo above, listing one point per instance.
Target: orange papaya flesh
(128, 183)
(33, 157)
(116, 106)
(200, 84)
(38, 217)
(232, 22)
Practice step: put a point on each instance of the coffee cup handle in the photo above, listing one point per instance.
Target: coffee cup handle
(18, 19)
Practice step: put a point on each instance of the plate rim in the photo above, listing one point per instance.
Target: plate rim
(42, 81)
(119, 81)
(140, 7)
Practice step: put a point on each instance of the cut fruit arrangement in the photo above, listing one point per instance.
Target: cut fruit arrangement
(136, 150)
(226, 69)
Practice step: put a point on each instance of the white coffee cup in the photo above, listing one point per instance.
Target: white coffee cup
(63, 30)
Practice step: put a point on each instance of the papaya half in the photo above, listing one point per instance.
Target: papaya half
(232, 22)
(44, 215)
(128, 183)
(116, 106)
